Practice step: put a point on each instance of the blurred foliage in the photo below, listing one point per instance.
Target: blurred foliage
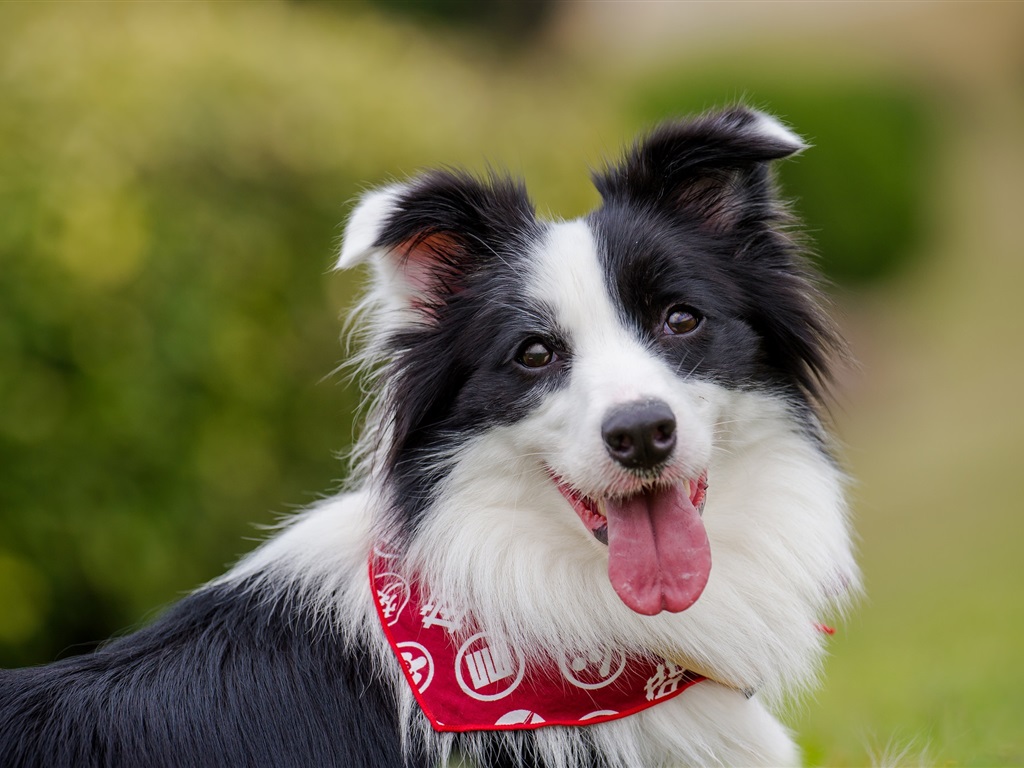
(172, 179)
(514, 22)
(863, 196)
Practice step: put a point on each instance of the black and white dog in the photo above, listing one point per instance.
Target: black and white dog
(593, 497)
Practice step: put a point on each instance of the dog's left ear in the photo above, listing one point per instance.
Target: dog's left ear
(426, 236)
(712, 170)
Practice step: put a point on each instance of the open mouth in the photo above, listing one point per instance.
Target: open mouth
(659, 557)
(594, 512)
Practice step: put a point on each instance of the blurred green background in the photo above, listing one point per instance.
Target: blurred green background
(172, 182)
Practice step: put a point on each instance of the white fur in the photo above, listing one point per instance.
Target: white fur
(364, 225)
(503, 540)
(393, 292)
(770, 126)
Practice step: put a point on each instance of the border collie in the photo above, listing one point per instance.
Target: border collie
(595, 520)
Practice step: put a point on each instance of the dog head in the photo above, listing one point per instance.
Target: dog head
(569, 389)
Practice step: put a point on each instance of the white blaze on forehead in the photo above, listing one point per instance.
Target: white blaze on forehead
(609, 360)
(567, 276)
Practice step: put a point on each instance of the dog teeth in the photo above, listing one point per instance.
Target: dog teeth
(687, 488)
(602, 509)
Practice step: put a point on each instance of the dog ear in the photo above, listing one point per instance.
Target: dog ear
(711, 170)
(426, 236)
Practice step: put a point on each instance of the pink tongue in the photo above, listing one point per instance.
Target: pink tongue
(659, 558)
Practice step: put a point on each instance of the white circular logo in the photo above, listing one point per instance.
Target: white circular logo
(392, 596)
(418, 663)
(519, 717)
(593, 669)
(493, 672)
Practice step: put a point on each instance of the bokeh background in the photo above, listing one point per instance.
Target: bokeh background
(172, 182)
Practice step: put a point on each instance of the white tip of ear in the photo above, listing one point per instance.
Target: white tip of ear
(773, 129)
(365, 224)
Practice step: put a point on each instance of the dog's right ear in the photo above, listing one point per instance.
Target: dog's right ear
(426, 236)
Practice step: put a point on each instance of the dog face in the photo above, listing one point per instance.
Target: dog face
(571, 382)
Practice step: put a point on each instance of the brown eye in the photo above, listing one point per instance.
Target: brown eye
(535, 354)
(681, 320)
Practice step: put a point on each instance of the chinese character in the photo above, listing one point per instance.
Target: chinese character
(665, 681)
(437, 613)
(388, 602)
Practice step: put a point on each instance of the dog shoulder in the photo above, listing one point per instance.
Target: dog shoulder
(243, 672)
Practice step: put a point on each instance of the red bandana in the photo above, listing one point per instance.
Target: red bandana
(464, 683)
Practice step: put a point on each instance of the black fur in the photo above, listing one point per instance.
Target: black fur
(226, 678)
(230, 677)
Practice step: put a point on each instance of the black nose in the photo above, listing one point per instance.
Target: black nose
(640, 435)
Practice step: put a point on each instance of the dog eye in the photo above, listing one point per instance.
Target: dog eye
(534, 353)
(681, 320)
